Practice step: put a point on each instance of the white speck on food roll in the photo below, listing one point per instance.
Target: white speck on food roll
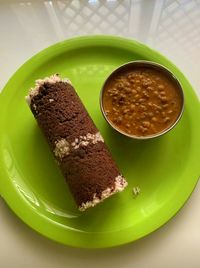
(35, 107)
(120, 183)
(62, 148)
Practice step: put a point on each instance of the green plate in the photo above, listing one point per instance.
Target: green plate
(166, 169)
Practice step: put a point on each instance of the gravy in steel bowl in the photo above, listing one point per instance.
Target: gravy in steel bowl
(141, 101)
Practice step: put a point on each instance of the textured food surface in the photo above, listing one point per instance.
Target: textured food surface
(60, 113)
(78, 147)
(89, 170)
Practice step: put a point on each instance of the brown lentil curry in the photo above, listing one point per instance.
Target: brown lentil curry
(141, 102)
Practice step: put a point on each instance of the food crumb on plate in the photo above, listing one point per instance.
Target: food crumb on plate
(136, 191)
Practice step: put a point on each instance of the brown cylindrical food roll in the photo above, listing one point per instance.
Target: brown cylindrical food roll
(75, 141)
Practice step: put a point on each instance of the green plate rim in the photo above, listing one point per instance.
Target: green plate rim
(32, 217)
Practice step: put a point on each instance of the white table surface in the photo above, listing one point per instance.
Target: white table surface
(173, 28)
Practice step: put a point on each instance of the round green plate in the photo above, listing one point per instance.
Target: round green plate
(166, 169)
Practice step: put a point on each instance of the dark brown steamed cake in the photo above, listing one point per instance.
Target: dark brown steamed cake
(75, 141)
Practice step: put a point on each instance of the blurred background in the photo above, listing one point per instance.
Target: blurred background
(172, 27)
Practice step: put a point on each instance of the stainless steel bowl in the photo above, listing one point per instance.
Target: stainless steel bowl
(142, 63)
